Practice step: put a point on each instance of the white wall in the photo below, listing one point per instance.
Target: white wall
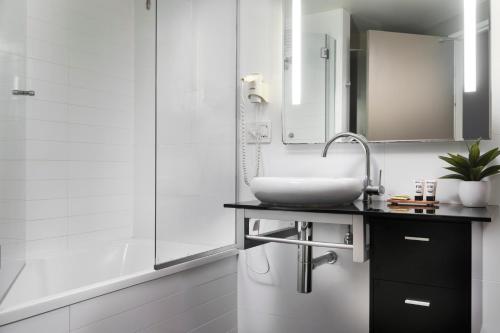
(80, 124)
(269, 303)
(491, 234)
(202, 299)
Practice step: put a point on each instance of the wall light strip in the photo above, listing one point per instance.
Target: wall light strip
(470, 46)
(296, 52)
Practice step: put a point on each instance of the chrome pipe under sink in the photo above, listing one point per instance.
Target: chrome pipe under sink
(304, 263)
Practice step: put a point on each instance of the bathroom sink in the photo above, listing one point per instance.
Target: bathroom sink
(296, 191)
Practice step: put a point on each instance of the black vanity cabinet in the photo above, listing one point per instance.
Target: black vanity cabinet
(420, 275)
(420, 259)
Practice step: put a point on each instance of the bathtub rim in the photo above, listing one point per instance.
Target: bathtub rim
(73, 296)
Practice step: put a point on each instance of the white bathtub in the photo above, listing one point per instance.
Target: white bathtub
(47, 284)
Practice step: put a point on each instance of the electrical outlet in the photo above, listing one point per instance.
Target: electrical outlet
(263, 128)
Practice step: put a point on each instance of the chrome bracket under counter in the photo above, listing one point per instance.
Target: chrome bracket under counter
(356, 215)
(246, 240)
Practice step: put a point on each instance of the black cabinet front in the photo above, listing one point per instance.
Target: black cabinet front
(428, 253)
(410, 308)
(420, 276)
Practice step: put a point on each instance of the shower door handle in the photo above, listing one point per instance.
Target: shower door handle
(23, 92)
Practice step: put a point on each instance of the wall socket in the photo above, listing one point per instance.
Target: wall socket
(263, 128)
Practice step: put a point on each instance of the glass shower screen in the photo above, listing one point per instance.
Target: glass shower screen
(12, 141)
(195, 128)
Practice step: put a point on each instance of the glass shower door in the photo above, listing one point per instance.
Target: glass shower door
(196, 128)
(12, 144)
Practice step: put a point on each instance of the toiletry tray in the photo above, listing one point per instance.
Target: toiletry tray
(418, 203)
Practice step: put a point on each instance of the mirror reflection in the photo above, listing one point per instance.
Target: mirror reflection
(391, 70)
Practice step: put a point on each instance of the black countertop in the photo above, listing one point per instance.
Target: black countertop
(445, 212)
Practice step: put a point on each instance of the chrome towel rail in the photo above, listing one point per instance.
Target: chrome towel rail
(300, 242)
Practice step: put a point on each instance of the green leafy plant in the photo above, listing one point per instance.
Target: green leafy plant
(475, 166)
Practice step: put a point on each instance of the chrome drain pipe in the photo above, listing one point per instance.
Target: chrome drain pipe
(305, 261)
(304, 264)
(329, 257)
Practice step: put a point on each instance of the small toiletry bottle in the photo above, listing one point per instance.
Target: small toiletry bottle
(430, 190)
(419, 190)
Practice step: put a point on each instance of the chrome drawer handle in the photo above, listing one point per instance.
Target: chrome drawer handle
(417, 303)
(417, 239)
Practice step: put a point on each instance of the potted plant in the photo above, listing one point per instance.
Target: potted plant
(473, 171)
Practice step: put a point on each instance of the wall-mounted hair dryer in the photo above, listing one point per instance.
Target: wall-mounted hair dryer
(257, 88)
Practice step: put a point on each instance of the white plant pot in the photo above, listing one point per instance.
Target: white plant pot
(474, 194)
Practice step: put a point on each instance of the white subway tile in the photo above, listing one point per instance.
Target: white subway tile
(42, 248)
(225, 323)
(46, 150)
(491, 307)
(99, 152)
(48, 91)
(99, 134)
(45, 209)
(46, 71)
(39, 170)
(99, 238)
(43, 229)
(10, 170)
(99, 187)
(13, 150)
(46, 51)
(48, 11)
(46, 130)
(46, 110)
(88, 223)
(102, 204)
(100, 117)
(92, 169)
(88, 79)
(46, 189)
(45, 31)
(12, 190)
(196, 316)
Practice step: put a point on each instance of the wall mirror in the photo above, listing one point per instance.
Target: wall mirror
(391, 70)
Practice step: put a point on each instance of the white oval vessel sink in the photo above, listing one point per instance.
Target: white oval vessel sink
(297, 191)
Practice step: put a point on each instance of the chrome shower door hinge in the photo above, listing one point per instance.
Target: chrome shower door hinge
(148, 4)
(325, 53)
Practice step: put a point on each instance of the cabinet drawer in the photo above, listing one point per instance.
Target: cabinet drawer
(430, 253)
(399, 307)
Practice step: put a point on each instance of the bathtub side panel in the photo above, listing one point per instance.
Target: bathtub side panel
(56, 321)
(201, 297)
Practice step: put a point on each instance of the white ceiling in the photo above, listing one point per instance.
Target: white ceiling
(396, 15)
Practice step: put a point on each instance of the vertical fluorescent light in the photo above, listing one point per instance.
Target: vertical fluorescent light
(296, 52)
(470, 47)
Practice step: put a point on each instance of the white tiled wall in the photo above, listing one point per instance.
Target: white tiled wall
(80, 125)
(202, 299)
(269, 303)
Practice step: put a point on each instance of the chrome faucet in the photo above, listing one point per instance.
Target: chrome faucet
(369, 188)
